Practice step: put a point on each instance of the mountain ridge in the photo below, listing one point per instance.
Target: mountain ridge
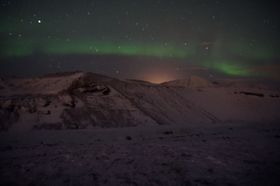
(79, 100)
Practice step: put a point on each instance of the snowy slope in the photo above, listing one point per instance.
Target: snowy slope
(191, 82)
(235, 100)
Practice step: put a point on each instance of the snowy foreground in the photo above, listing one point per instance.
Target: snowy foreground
(217, 154)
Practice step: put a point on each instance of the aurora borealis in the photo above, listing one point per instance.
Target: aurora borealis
(234, 38)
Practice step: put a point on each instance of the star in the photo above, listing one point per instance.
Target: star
(155, 29)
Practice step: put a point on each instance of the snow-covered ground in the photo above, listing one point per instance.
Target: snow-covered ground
(89, 129)
(216, 154)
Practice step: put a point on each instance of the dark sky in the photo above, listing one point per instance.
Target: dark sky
(154, 40)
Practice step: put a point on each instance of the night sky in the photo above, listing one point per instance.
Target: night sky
(154, 40)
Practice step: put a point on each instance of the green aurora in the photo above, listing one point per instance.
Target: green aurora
(20, 48)
(229, 59)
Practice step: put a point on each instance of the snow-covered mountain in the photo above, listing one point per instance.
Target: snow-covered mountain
(84, 100)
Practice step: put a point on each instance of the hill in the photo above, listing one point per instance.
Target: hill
(84, 100)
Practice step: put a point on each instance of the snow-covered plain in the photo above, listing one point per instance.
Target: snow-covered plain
(217, 154)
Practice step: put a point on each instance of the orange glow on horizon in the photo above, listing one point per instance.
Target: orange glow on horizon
(159, 77)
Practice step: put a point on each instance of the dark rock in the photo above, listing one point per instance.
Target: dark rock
(168, 132)
(106, 91)
(252, 94)
(128, 138)
(47, 103)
